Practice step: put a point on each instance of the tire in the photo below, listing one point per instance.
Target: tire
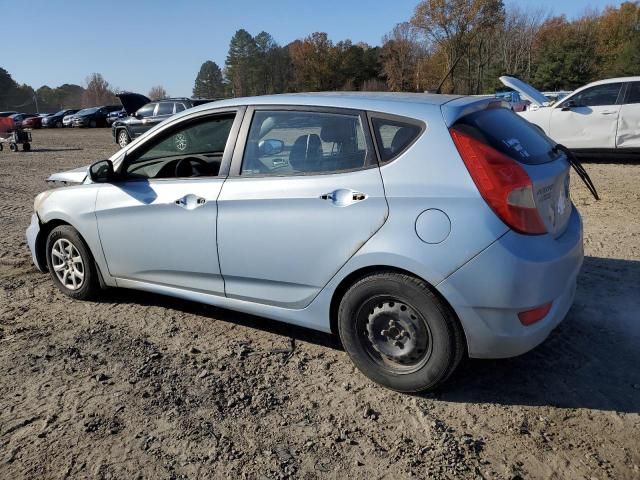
(13, 147)
(399, 333)
(1, 147)
(123, 138)
(59, 125)
(93, 124)
(81, 279)
(26, 146)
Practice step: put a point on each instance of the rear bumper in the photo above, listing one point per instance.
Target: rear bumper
(33, 230)
(515, 273)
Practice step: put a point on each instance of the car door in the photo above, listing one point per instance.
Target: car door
(629, 119)
(138, 123)
(164, 111)
(588, 119)
(157, 220)
(304, 194)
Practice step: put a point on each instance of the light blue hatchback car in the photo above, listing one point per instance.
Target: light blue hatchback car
(419, 228)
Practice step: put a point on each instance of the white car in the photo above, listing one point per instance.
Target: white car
(601, 117)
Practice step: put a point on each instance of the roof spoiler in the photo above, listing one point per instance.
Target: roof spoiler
(460, 107)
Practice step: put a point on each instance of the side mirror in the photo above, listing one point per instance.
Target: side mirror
(138, 116)
(270, 146)
(568, 105)
(102, 171)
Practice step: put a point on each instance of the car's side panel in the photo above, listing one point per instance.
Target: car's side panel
(629, 120)
(147, 236)
(75, 206)
(585, 127)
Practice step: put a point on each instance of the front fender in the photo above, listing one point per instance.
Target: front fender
(75, 206)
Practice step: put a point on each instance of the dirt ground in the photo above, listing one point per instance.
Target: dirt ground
(142, 386)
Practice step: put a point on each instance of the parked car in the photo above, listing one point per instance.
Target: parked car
(7, 114)
(18, 118)
(56, 119)
(113, 116)
(34, 122)
(94, 116)
(67, 120)
(418, 228)
(599, 118)
(145, 114)
(513, 99)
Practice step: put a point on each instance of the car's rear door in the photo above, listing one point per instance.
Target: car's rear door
(588, 119)
(304, 194)
(629, 120)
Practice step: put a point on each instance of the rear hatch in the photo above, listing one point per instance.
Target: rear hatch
(504, 145)
(525, 90)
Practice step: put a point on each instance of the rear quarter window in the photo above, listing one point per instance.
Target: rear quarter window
(510, 134)
(393, 136)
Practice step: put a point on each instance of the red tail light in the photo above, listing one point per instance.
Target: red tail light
(529, 317)
(502, 182)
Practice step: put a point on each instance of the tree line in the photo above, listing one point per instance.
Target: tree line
(452, 46)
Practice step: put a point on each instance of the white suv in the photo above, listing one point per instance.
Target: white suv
(601, 117)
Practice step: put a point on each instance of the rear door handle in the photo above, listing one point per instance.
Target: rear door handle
(344, 197)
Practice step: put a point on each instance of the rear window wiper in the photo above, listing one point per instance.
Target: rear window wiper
(578, 167)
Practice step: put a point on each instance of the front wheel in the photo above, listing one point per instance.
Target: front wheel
(70, 263)
(399, 333)
(93, 124)
(123, 138)
(26, 146)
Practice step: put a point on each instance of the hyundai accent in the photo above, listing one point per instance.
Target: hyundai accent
(419, 228)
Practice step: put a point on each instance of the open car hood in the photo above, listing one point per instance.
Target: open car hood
(77, 175)
(132, 101)
(525, 90)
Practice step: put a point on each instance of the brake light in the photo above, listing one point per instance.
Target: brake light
(502, 182)
(529, 317)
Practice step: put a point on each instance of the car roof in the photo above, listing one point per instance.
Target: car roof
(613, 80)
(388, 102)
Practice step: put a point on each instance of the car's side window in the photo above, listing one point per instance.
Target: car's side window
(179, 107)
(165, 108)
(147, 110)
(304, 142)
(597, 96)
(633, 93)
(195, 150)
(393, 136)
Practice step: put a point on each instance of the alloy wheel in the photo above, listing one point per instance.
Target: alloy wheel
(123, 139)
(67, 264)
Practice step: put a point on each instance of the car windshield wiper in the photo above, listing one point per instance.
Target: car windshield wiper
(578, 167)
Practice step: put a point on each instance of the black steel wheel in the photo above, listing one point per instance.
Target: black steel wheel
(26, 146)
(13, 147)
(399, 333)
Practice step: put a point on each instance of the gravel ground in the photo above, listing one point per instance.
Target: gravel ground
(136, 385)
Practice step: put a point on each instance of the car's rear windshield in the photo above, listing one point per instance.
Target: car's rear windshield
(510, 134)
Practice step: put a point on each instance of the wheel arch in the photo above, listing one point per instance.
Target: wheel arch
(41, 245)
(360, 273)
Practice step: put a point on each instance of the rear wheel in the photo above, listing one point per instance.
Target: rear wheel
(70, 263)
(58, 124)
(13, 147)
(398, 333)
(26, 146)
(123, 138)
(93, 124)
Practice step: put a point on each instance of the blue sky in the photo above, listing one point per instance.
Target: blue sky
(141, 43)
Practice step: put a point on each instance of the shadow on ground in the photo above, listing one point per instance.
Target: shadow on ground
(589, 361)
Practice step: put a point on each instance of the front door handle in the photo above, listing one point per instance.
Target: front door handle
(608, 112)
(343, 197)
(190, 201)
